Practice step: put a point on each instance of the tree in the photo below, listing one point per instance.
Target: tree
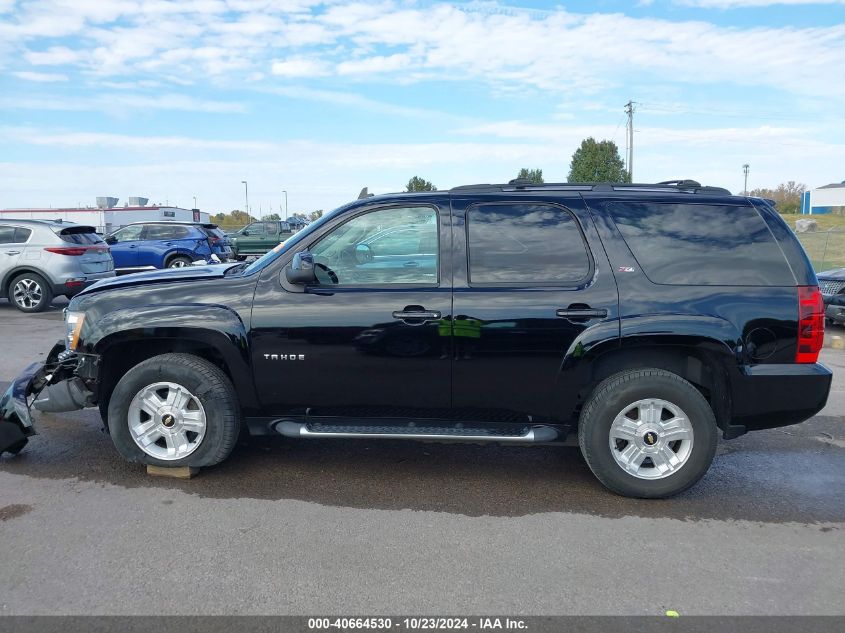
(315, 215)
(234, 220)
(597, 161)
(271, 217)
(787, 196)
(419, 184)
(533, 175)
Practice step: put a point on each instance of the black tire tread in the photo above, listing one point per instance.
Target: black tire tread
(602, 391)
(213, 379)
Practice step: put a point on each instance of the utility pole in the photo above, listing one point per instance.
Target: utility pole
(629, 110)
(745, 172)
(246, 195)
(286, 205)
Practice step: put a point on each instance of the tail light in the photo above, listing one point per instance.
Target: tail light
(810, 324)
(76, 251)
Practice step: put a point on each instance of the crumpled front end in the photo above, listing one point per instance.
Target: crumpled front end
(16, 423)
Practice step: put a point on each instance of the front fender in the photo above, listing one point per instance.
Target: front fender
(212, 325)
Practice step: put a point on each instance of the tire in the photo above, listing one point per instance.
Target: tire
(630, 417)
(30, 292)
(179, 261)
(206, 394)
(240, 258)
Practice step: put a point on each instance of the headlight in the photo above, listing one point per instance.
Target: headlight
(73, 326)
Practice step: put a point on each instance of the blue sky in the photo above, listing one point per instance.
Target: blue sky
(171, 99)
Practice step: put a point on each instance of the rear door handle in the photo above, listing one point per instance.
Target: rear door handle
(13, 252)
(582, 313)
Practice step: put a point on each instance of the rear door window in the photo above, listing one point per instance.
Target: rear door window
(7, 235)
(701, 244)
(22, 235)
(526, 244)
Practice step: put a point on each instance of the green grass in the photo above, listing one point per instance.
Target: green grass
(825, 246)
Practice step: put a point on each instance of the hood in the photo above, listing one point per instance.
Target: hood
(169, 275)
(836, 274)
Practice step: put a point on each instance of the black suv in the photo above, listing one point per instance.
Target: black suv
(639, 320)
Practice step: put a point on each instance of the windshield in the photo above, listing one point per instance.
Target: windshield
(262, 262)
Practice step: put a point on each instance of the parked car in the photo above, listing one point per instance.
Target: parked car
(259, 238)
(832, 284)
(42, 259)
(166, 244)
(638, 321)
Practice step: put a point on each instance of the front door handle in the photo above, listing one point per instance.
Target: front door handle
(412, 313)
(581, 313)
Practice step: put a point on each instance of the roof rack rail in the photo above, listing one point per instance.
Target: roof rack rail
(523, 184)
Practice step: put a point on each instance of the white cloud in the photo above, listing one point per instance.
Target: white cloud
(503, 47)
(40, 77)
(298, 67)
(119, 104)
(53, 56)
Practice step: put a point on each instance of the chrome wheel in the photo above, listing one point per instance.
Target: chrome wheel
(651, 439)
(27, 293)
(179, 263)
(166, 421)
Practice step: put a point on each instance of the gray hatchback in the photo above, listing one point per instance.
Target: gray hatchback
(40, 259)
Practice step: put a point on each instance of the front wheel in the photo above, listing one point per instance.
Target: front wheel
(647, 433)
(174, 410)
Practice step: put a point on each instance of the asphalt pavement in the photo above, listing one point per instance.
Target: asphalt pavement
(366, 527)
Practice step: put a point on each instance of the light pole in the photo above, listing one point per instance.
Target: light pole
(195, 202)
(246, 195)
(745, 168)
(286, 205)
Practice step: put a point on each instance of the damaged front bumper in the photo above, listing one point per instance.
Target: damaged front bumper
(55, 376)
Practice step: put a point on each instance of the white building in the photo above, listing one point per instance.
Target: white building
(106, 217)
(823, 199)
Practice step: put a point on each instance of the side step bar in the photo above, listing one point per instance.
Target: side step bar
(529, 435)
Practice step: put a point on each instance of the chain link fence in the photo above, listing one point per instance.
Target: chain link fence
(826, 249)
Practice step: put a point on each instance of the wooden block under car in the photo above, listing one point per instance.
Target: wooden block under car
(837, 342)
(181, 472)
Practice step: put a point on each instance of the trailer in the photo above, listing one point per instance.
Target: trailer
(109, 219)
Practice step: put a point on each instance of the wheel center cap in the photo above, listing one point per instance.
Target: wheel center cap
(650, 438)
(168, 420)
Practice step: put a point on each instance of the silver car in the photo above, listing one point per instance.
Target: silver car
(40, 259)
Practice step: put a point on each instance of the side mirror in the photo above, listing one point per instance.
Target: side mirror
(301, 269)
(244, 232)
(363, 254)
(111, 239)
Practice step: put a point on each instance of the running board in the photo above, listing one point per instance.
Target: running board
(524, 435)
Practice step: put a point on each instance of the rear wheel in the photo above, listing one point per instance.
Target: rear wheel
(174, 410)
(180, 261)
(647, 433)
(30, 293)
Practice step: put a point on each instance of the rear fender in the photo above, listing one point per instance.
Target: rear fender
(703, 350)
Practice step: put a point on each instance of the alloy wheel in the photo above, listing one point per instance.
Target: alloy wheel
(167, 421)
(651, 439)
(27, 293)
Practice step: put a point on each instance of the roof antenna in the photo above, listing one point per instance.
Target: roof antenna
(365, 194)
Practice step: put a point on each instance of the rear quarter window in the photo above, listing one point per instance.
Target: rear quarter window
(701, 244)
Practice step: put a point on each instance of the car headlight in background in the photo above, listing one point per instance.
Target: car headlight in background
(73, 326)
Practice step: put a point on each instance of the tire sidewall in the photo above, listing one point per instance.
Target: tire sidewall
(213, 401)
(594, 435)
(46, 292)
